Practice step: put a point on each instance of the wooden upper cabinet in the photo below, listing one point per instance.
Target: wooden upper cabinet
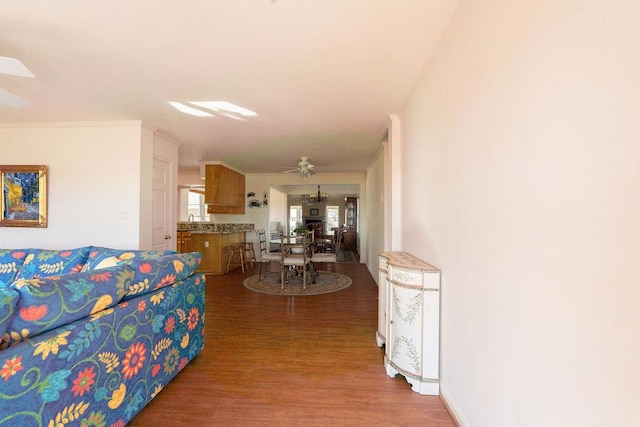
(224, 190)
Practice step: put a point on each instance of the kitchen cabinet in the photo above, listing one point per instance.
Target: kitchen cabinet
(224, 190)
(214, 248)
(184, 242)
(409, 320)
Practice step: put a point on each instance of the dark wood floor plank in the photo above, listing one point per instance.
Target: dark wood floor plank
(298, 361)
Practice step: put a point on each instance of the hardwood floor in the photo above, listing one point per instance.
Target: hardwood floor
(298, 361)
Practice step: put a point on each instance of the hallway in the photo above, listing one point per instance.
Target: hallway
(299, 361)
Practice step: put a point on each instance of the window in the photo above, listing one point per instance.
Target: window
(333, 213)
(295, 217)
(196, 206)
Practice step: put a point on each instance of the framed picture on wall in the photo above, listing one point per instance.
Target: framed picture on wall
(23, 200)
(314, 212)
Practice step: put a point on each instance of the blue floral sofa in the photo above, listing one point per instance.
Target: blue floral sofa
(88, 336)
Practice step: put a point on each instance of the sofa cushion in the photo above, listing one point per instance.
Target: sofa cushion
(157, 273)
(47, 263)
(10, 262)
(48, 302)
(99, 256)
(8, 300)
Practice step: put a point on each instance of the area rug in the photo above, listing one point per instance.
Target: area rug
(326, 282)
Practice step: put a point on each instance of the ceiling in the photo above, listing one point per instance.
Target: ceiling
(322, 76)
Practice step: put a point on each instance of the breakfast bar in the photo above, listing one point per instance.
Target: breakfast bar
(213, 240)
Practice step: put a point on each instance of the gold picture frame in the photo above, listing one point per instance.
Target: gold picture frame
(23, 199)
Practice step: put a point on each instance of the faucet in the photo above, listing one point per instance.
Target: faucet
(191, 218)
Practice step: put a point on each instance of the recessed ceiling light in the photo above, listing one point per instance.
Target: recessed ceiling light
(234, 117)
(224, 106)
(189, 110)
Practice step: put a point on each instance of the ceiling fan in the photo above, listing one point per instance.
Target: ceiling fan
(13, 67)
(304, 168)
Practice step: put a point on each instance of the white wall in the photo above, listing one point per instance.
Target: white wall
(93, 182)
(373, 216)
(145, 188)
(278, 210)
(521, 182)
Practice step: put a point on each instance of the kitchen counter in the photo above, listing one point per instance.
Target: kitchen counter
(202, 227)
(213, 240)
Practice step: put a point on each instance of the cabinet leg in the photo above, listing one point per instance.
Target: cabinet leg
(390, 369)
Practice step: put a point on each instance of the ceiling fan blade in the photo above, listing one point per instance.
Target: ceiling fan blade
(290, 170)
(14, 67)
(11, 100)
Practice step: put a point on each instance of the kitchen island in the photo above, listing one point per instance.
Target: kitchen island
(212, 240)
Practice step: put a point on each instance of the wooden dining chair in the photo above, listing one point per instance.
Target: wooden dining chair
(338, 240)
(323, 257)
(295, 256)
(266, 257)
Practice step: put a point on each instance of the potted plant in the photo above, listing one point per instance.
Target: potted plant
(300, 230)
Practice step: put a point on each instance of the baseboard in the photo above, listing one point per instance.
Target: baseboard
(453, 409)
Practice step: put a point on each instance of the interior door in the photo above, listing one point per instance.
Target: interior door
(163, 227)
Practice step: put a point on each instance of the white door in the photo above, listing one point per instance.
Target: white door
(162, 227)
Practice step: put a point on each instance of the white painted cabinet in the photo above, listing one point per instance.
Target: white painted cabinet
(381, 334)
(409, 320)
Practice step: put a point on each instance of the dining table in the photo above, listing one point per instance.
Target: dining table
(290, 241)
(297, 245)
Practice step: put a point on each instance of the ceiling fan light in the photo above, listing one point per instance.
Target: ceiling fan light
(304, 172)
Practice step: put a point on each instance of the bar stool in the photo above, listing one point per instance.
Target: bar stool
(235, 250)
(249, 253)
